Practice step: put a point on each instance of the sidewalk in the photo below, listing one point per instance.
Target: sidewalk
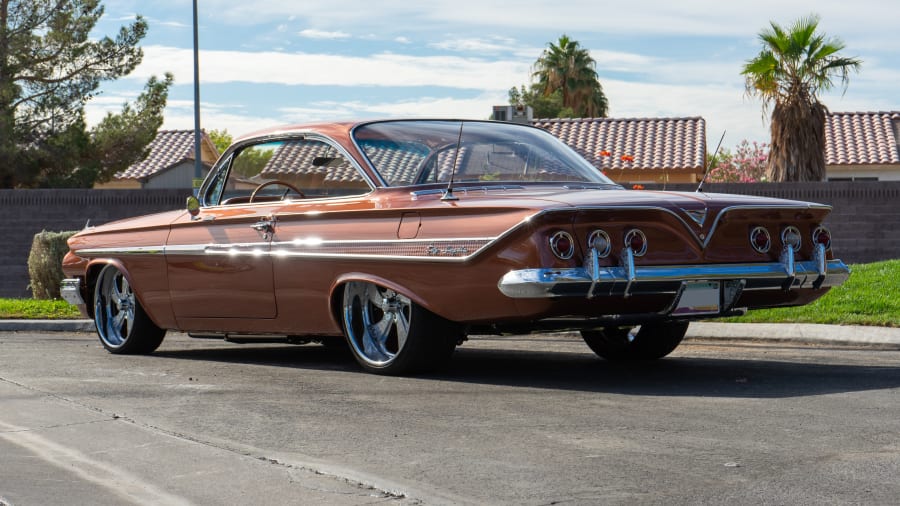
(797, 332)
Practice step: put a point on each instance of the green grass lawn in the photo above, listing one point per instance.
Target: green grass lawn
(37, 309)
(870, 297)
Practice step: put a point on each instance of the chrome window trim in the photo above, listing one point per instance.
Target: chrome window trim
(228, 156)
(551, 138)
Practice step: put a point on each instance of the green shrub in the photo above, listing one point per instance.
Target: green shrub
(45, 263)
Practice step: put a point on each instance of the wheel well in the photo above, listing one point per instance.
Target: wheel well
(336, 304)
(337, 293)
(90, 284)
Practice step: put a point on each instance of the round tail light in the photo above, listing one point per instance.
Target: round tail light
(760, 239)
(790, 236)
(599, 240)
(562, 245)
(637, 241)
(822, 236)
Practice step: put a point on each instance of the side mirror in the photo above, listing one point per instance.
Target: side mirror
(193, 206)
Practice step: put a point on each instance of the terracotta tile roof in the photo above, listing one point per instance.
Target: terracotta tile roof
(397, 163)
(862, 138)
(296, 158)
(169, 148)
(677, 144)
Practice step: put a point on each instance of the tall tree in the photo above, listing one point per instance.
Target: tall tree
(794, 64)
(569, 69)
(50, 68)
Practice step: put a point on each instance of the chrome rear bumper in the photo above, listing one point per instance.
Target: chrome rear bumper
(630, 280)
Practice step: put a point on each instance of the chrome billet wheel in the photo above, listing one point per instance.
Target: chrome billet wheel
(121, 322)
(390, 334)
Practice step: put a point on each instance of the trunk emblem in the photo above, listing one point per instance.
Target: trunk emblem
(699, 216)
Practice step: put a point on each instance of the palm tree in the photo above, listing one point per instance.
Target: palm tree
(569, 68)
(793, 66)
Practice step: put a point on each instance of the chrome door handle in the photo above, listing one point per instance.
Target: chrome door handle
(266, 226)
(263, 226)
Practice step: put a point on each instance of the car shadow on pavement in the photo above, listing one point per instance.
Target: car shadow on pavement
(672, 376)
(678, 375)
(310, 356)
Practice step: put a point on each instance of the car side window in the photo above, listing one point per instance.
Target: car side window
(218, 184)
(291, 168)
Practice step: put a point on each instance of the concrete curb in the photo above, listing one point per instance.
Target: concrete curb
(800, 332)
(47, 326)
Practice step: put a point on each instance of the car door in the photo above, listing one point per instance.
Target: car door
(218, 260)
(218, 264)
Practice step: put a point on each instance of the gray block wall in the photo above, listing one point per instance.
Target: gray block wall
(27, 212)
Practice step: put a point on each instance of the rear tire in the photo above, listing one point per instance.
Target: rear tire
(650, 341)
(390, 334)
(123, 326)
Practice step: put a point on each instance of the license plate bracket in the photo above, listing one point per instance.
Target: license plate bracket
(699, 298)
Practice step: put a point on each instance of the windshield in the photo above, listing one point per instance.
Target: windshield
(427, 151)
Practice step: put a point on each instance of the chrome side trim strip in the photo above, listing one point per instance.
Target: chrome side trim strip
(121, 250)
(622, 281)
(456, 249)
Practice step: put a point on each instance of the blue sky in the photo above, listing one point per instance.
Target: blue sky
(266, 63)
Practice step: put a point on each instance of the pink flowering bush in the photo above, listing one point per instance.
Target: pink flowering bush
(746, 165)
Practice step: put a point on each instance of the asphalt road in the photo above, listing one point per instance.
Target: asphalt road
(530, 420)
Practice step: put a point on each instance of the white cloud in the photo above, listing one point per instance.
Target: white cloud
(310, 33)
(478, 45)
(696, 17)
(383, 69)
(655, 57)
(478, 107)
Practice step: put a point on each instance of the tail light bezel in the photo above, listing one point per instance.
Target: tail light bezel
(757, 232)
(629, 238)
(603, 236)
(556, 238)
(787, 234)
(817, 233)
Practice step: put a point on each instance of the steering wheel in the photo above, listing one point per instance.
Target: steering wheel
(282, 183)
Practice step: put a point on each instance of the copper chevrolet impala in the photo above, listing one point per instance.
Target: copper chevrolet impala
(406, 236)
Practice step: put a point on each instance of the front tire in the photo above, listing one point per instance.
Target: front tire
(649, 341)
(123, 326)
(390, 334)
